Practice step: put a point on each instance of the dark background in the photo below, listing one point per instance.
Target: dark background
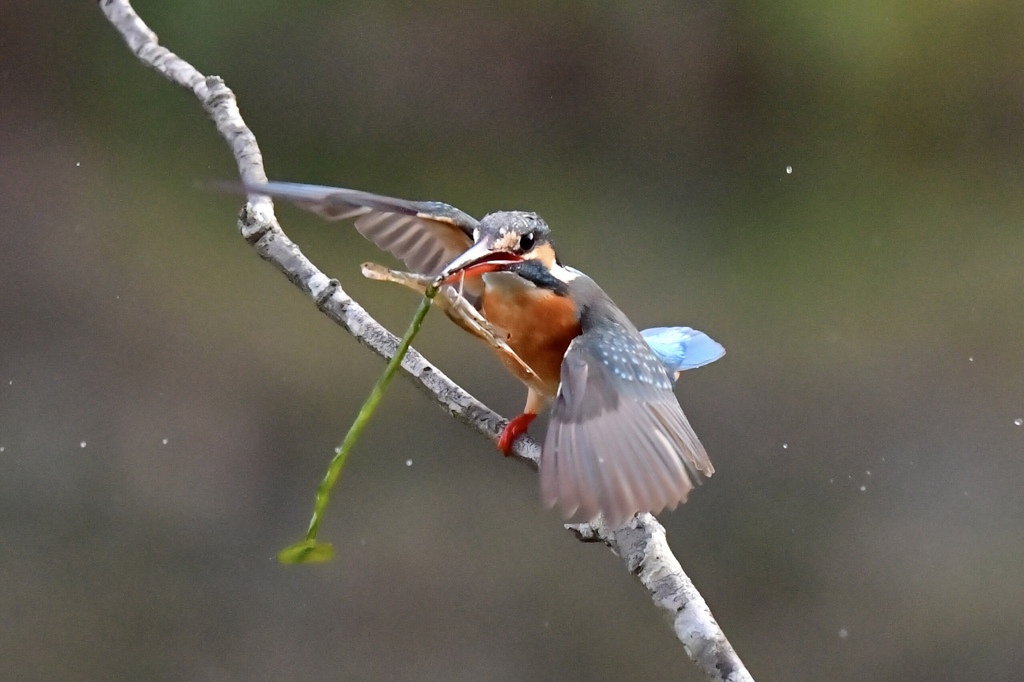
(168, 401)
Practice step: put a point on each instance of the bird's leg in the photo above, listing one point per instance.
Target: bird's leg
(535, 402)
(515, 428)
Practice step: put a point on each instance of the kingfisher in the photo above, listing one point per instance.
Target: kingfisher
(618, 442)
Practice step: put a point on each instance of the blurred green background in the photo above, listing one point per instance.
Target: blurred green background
(168, 401)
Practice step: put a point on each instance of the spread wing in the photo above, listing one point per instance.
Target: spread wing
(425, 235)
(618, 442)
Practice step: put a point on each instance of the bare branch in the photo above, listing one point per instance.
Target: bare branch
(642, 543)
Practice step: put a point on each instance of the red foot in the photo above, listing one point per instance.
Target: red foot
(515, 428)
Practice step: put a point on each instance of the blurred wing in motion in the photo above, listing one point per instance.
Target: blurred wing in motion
(618, 442)
(425, 235)
(682, 348)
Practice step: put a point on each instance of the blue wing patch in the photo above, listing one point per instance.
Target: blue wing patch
(682, 348)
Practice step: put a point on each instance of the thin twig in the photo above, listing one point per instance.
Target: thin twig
(641, 543)
(310, 549)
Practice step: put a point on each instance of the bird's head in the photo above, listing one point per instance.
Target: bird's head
(504, 241)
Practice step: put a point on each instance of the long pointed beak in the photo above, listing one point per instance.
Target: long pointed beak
(477, 260)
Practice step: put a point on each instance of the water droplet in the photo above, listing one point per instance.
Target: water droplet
(843, 633)
(970, 359)
(789, 170)
(863, 488)
(785, 446)
(408, 462)
(82, 444)
(164, 441)
(2, 448)
(78, 164)
(1018, 421)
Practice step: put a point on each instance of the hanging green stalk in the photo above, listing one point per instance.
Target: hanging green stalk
(310, 550)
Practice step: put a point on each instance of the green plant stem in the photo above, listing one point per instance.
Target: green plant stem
(309, 549)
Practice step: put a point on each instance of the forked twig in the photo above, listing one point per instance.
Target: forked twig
(462, 313)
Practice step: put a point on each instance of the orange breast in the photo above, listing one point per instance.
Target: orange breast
(539, 324)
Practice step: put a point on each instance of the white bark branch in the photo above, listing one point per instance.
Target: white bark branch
(642, 543)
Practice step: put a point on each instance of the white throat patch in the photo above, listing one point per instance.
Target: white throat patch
(564, 274)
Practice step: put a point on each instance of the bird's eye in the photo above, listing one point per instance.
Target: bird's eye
(526, 242)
